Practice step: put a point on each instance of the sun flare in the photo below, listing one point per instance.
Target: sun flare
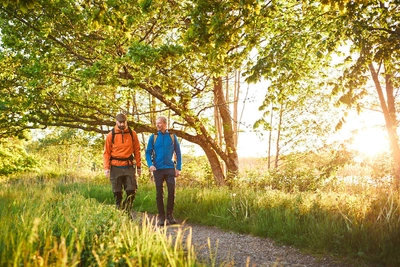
(371, 142)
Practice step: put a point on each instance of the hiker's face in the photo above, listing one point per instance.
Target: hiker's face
(161, 126)
(121, 125)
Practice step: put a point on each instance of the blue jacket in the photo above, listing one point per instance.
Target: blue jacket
(163, 152)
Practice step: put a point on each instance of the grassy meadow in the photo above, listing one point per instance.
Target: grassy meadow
(54, 222)
(66, 220)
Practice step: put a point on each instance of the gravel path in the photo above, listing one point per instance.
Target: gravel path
(233, 249)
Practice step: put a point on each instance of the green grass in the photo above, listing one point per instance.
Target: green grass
(73, 224)
(63, 222)
(361, 228)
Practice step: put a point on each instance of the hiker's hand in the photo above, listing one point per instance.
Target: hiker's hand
(107, 173)
(177, 173)
(152, 168)
(139, 171)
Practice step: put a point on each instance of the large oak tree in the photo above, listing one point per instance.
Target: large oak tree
(78, 63)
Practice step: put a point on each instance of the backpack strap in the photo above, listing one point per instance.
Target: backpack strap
(130, 132)
(170, 134)
(154, 139)
(123, 159)
(113, 133)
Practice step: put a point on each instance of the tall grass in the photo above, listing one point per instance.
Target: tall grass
(49, 224)
(74, 223)
(362, 227)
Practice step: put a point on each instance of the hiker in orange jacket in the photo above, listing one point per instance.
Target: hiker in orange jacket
(119, 163)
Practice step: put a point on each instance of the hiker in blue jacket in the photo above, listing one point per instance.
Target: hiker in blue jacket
(161, 151)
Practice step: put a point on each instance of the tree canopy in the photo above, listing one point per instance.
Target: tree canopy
(78, 63)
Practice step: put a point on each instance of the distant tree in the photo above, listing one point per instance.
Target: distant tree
(373, 33)
(80, 150)
(298, 110)
(301, 41)
(14, 158)
(298, 124)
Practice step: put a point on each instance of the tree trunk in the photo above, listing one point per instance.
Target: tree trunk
(218, 133)
(202, 137)
(389, 112)
(270, 137)
(278, 137)
(232, 160)
(216, 167)
(236, 91)
(217, 124)
(153, 107)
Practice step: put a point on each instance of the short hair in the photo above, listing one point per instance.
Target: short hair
(163, 119)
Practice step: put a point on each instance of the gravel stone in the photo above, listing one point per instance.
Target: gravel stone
(216, 247)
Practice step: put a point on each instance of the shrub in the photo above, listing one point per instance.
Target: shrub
(14, 158)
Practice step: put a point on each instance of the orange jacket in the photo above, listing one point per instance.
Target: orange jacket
(122, 148)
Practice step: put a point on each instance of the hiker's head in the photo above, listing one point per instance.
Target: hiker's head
(161, 123)
(121, 121)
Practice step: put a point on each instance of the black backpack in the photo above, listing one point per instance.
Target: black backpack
(113, 133)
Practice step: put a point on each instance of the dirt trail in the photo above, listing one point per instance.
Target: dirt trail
(233, 249)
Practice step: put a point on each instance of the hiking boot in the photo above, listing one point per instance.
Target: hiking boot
(171, 219)
(160, 221)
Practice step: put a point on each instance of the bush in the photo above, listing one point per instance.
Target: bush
(14, 158)
(197, 171)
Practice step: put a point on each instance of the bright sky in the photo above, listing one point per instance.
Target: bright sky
(250, 143)
(371, 137)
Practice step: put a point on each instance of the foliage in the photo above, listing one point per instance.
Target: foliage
(293, 179)
(376, 169)
(49, 228)
(23, 5)
(372, 27)
(297, 172)
(68, 149)
(357, 222)
(381, 166)
(303, 40)
(79, 65)
(197, 171)
(14, 157)
(297, 123)
(348, 225)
